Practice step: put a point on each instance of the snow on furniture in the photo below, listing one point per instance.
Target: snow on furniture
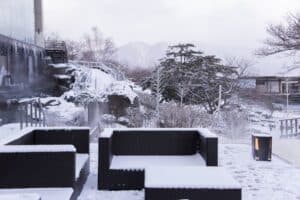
(141, 162)
(43, 193)
(169, 183)
(125, 153)
(36, 167)
(50, 158)
(36, 148)
(20, 197)
(189, 177)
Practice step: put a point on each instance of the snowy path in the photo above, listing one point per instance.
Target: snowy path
(90, 191)
(276, 180)
(9, 132)
(289, 149)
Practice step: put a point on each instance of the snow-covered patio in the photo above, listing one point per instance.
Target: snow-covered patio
(274, 180)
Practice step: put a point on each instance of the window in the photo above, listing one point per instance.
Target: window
(260, 82)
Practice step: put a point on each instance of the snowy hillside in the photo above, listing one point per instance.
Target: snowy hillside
(143, 55)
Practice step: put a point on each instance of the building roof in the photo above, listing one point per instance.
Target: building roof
(287, 73)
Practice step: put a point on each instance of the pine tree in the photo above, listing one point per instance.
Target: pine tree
(189, 77)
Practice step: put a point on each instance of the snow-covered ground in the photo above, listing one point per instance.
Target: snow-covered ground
(90, 191)
(64, 113)
(276, 180)
(9, 132)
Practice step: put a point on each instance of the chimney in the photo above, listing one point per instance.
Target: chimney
(38, 21)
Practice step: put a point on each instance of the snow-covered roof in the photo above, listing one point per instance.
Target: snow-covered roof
(36, 148)
(285, 73)
(189, 177)
(293, 72)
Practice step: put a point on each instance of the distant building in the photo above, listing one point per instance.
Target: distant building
(21, 42)
(278, 85)
(271, 85)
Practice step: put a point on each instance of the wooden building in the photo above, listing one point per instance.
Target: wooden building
(279, 85)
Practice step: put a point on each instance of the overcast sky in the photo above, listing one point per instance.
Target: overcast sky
(223, 24)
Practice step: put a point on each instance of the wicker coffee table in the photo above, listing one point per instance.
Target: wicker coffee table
(193, 183)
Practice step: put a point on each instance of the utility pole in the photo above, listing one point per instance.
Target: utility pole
(157, 92)
(220, 97)
(287, 95)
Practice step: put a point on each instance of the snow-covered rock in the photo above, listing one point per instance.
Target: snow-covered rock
(108, 118)
(95, 84)
(121, 88)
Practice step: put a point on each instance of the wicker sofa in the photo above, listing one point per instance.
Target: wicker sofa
(118, 148)
(46, 158)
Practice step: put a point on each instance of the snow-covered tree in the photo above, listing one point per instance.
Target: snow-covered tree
(97, 48)
(190, 77)
(283, 38)
(93, 47)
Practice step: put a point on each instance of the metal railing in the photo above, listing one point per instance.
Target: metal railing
(290, 127)
(31, 114)
(58, 45)
(99, 65)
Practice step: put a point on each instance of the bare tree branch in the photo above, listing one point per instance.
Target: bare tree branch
(283, 38)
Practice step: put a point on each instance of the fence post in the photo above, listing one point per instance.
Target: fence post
(286, 127)
(31, 114)
(20, 115)
(35, 116)
(26, 113)
(40, 117)
(44, 118)
(281, 127)
(296, 126)
(291, 127)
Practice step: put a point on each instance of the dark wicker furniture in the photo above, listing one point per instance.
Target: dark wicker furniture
(149, 142)
(46, 158)
(193, 183)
